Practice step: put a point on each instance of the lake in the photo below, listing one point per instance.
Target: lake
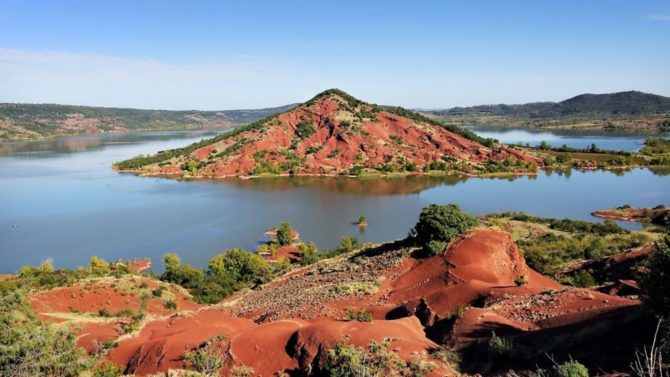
(62, 201)
(576, 139)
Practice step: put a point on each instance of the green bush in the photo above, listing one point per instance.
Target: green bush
(358, 315)
(656, 283)
(305, 129)
(570, 369)
(241, 266)
(285, 234)
(499, 347)
(435, 247)
(98, 266)
(346, 360)
(441, 223)
(207, 359)
(308, 253)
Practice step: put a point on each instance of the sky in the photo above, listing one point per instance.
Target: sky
(216, 55)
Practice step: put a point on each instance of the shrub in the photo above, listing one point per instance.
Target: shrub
(358, 315)
(103, 312)
(40, 350)
(240, 266)
(521, 280)
(435, 247)
(308, 253)
(570, 369)
(346, 360)
(305, 130)
(656, 283)
(107, 369)
(450, 357)
(442, 223)
(207, 359)
(98, 266)
(211, 292)
(583, 279)
(242, 371)
(285, 234)
(347, 245)
(499, 347)
(170, 304)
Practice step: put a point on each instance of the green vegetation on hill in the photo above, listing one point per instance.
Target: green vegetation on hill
(439, 224)
(31, 121)
(30, 347)
(551, 246)
(291, 161)
(614, 104)
(623, 111)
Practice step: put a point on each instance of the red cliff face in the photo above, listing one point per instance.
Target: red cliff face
(333, 134)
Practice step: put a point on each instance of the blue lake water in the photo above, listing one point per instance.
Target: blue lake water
(575, 139)
(60, 200)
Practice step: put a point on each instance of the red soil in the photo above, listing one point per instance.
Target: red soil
(342, 139)
(292, 253)
(140, 265)
(162, 344)
(454, 299)
(96, 296)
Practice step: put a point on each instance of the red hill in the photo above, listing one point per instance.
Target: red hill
(332, 134)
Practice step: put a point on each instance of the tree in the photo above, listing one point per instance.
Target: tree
(98, 266)
(241, 266)
(347, 245)
(285, 234)
(441, 223)
(656, 283)
(308, 253)
(171, 261)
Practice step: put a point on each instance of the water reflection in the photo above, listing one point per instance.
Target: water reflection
(81, 143)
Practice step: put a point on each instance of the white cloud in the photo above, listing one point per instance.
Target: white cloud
(47, 76)
(659, 17)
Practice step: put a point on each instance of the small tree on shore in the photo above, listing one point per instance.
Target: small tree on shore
(285, 234)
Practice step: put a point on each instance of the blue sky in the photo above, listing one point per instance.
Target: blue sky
(250, 54)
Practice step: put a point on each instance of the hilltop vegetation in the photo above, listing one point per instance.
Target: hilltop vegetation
(34, 121)
(616, 111)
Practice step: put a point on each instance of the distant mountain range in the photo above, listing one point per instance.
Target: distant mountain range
(611, 105)
(34, 121)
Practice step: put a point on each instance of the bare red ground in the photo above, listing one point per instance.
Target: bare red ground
(292, 253)
(91, 298)
(472, 286)
(162, 344)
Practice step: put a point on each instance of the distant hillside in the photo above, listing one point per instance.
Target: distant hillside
(34, 121)
(617, 112)
(614, 104)
(333, 134)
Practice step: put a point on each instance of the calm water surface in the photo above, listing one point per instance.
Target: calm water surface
(575, 139)
(61, 200)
